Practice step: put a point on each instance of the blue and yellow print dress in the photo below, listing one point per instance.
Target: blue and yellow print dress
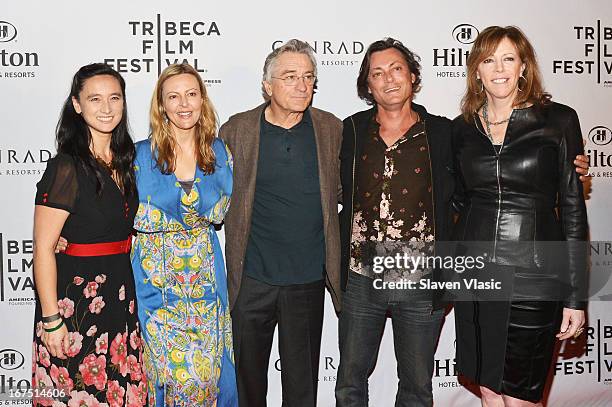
(181, 284)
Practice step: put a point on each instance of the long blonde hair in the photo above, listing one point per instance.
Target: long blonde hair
(532, 90)
(162, 140)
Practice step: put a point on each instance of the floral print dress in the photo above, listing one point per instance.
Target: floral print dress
(96, 297)
(181, 284)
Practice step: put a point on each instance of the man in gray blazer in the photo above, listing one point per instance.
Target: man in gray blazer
(282, 236)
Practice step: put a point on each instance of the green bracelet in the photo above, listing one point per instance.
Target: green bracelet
(55, 328)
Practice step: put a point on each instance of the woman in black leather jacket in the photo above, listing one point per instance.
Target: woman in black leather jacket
(522, 201)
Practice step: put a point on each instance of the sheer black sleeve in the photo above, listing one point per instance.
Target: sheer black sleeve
(58, 187)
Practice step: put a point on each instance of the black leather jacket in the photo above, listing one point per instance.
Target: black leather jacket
(529, 192)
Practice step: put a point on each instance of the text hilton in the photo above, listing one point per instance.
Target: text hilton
(450, 56)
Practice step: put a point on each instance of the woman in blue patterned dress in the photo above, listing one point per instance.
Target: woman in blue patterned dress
(184, 179)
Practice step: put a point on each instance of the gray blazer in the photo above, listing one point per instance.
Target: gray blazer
(241, 134)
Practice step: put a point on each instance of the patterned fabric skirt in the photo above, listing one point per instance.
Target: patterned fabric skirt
(97, 300)
(188, 356)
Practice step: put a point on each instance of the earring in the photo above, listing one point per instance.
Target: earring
(517, 82)
(481, 86)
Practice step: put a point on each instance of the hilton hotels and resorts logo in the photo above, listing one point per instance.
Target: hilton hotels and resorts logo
(11, 359)
(16, 284)
(13, 363)
(334, 53)
(595, 56)
(599, 151)
(163, 42)
(15, 63)
(445, 371)
(449, 62)
(8, 32)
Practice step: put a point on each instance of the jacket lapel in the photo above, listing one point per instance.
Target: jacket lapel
(323, 157)
(249, 149)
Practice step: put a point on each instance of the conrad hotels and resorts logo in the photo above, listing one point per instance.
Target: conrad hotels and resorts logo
(165, 42)
(450, 61)
(23, 161)
(334, 54)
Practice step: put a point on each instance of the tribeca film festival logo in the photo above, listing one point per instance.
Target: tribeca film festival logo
(15, 64)
(596, 358)
(333, 53)
(596, 54)
(450, 62)
(599, 151)
(163, 43)
(16, 284)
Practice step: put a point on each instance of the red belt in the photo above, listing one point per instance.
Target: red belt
(99, 249)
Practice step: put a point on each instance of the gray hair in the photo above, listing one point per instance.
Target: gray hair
(294, 45)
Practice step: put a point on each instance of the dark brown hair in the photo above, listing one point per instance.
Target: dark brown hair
(73, 135)
(412, 59)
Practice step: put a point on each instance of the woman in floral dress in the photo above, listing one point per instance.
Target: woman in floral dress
(184, 178)
(87, 342)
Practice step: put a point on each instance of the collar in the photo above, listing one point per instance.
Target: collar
(306, 119)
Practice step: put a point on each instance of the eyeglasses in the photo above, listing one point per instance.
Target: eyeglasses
(292, 80)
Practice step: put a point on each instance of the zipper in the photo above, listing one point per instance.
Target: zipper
(431, 182)
(499, 192)
(499, 198)
(433, 201)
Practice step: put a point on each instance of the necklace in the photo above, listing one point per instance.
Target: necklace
(488, 124)
(108, 166)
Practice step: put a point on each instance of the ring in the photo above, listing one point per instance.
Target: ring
(579, 332)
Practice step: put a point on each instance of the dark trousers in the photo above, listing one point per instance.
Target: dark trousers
(416, 328)
(298, 310)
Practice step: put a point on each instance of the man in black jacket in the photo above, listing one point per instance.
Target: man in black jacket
(397, 182)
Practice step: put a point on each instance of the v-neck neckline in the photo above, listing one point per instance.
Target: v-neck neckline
(109, 175)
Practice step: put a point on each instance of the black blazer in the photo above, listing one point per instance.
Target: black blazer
(528, 193)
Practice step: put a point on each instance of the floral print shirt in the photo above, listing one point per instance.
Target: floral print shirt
(393, 199)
